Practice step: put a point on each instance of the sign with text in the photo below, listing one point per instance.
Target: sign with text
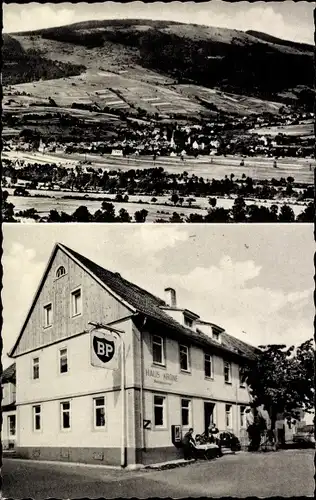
(104, 349)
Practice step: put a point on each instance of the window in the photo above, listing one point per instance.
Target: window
(227, 372)
(215, 335)
(11, 425)
(65, 414)
(61, 271)
(186, 412)
(228, 413)
(76, 302)
(188, 322)
(184, 358)
(99, 412)
(63, 361)
(48, 315)
(158, 350)
(159, 411)
(242, 378)
(208, 366)
(35, 368)
(242, 416)
(37, 418)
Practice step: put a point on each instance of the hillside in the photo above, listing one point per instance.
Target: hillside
(164, 67)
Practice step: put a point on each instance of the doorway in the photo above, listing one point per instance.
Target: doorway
(208, 414)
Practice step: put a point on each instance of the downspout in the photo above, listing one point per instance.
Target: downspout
(142, 404)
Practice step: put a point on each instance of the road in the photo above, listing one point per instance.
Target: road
(284, 473)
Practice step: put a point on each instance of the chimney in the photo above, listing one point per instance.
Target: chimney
(171, 297)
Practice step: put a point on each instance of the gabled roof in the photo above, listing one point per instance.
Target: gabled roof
(140, 301)
(8, 375)
(151, 306)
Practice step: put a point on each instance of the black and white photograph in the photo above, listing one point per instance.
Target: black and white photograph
(158, 361)
(158, 112)
(158, 201)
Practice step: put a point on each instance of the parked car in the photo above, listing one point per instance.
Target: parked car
(305, 436)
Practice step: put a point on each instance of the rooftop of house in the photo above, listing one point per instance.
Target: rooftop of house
(8, 375)
(154, 308)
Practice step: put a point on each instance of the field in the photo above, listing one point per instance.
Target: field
(216, 167)
(301, 129)
(161, 209)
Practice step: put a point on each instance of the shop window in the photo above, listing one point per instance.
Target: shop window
(184, 358)
(99, 412)
(159, 411)
(48, 315)
(37, 424)
(76, 302)
(158, 350)
(228, 414)
(65, 417)
(208, 366)
(227, 372)
(35, 368)
(63, 360)
(186, 412)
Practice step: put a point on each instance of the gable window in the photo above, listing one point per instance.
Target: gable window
(186, 412)
(158, 350)
(11, 425)
(99, 412)
(188, 322)
(159, 411)
(65, 415)
(76, 302)
(208, 366)
(63, 360)
(227, 372)
(61, 271)
(48, 315)
(36, 418)
(35, 368)
(184, 358)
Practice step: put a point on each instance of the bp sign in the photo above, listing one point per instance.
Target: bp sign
(104, 349)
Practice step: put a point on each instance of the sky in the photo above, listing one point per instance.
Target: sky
(256, 281)
(287, 19)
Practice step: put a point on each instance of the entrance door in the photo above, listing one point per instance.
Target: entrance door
(208, 414)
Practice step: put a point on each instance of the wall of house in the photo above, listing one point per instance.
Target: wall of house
(8, 393)
(170, 378)
(97, 306)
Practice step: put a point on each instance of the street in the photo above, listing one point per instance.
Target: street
(285, 473)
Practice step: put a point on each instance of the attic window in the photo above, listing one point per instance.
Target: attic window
(188, 321)
(215, 335)
(61, 271)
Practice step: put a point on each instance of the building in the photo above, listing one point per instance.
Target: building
(8, 408)
(179, 370)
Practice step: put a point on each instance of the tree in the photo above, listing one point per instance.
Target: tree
(308, 215)
(212, 202)
(119, 197)
(239, 210)
(175, 218)
(140, 215)
(286, 214)
(124, 216)
(153, 200)
(174, 198)
(81, 214)
(7, 209)
(282, 378)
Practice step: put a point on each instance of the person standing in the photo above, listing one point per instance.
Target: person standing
(188, 443)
